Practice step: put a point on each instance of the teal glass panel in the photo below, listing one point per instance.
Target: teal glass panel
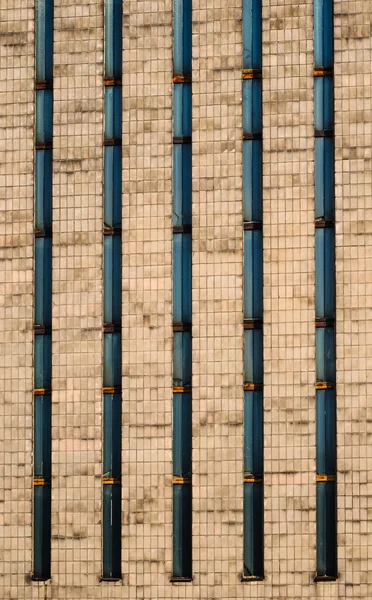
(113, 38)
(111, 542)
(43, 281)
(182, 123)
(323, 33)
(42, 532)
(111, 435)
(253, 274)
(43, 361)
(182, 359)
(182, 44)
(182, 181)
(44, 39)
(326, 529)
(326, 432)
(42, 436)
(324, 179)
(326, 354)
(112, 279)
(111, 360)
(43, 190)
(253, 530)
(182, 435)
(253, 433)
(252, 34)
(44, 116)
(182, 278)
(113, 112)
(252, 106)
(252, 180)
(112, 186)
(253, 356)
(182, 527)
(323, 103)
(325, 273)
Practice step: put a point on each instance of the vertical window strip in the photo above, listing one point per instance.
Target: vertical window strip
(112, 283)
(182, 338)
(253, 554)
(325, 300)
(42, 468)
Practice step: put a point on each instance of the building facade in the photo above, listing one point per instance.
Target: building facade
(87, 377)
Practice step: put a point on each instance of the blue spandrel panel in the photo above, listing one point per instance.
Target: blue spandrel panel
(44, 116)
(325, 273)
(253, 274)
(42, 436)
(253, 530)
(252, 34)
(253, 432)
(323, 103)
(111, 435)
(113, 112)
(43, 281)
(42, 532)
(326, 354)
(252, 106)
(182, 278)
(253, 356)
(182, 45)
(182, 123)
(324, 179)
(326, 432)
(182, 531)
(112, 360)
(43, 190)
(112, 279)
(182, 359)
(182, 183)
(44, 39)
(326, 529)
(252, 180)
(182, 435)
(43, 361)
(111, 542)
(113, 38)
(112, 186)
(323, 33)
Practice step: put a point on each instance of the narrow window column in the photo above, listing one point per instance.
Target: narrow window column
(182, 406)
(325, 301)
(253, 291)
(112, 278)
(43, 290)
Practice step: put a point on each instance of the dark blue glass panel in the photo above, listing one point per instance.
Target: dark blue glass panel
(323, 33)
(112, 360)
(43, 281)
(253, 356)
(253, 530)
(252, 106)
(43, 190)
(182, 531)
(113, 112)
(323, 103)
(182, 45)
(113, 38)
(182, 277)
(325, 273)
(326, 354)
(182, 181)
(111, 543)
(112, 186)
(253, 433)
(111, 435)
(182, 435)
(42, 361)
(252, 180)
(44, 116)
(112, 279)
(324, 179)
(42, 532)
(252, 34)
(182, 359)
(44, 39)
(326, 529)
(42, 436)
(326, 432)
(253, 274)
(182, 123)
